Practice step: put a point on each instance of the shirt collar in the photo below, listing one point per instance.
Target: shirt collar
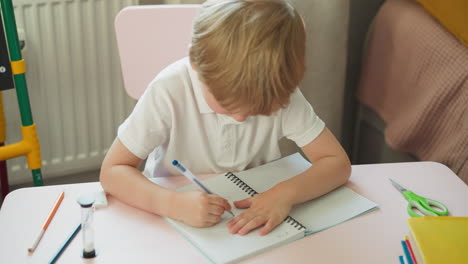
(203, 106)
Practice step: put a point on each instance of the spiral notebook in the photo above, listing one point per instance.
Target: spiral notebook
(219, 246)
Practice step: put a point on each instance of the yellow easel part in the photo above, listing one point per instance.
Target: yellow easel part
(29, 146)
(14, 150)
(2, 121)
(18, 67)
(34, 156)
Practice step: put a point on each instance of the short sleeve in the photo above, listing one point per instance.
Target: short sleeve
(299, 121)
(147, 127)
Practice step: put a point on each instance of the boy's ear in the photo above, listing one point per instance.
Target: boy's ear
(193, 67)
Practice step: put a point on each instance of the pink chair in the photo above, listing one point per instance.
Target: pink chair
(149, 38)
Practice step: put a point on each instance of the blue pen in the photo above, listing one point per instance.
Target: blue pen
(194, 179)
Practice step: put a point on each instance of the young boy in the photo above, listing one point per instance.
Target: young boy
(224, 109)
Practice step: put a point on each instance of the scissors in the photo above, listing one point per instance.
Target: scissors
(424, 205)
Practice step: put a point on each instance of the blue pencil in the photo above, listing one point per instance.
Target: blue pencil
(65, 245)
(407, 254)
(402, 260)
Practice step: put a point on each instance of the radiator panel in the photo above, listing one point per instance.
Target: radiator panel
(74, 82)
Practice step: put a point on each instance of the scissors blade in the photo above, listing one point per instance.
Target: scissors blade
(398, 186)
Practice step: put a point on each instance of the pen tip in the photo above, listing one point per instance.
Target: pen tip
(175, 162)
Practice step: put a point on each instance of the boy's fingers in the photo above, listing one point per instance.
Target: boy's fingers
(252, 224)
(216, 209)
(218, 200)
(233, 221)
(212, 219)
(242, 204)
(238, 225)
(268, 227)
(227, 205)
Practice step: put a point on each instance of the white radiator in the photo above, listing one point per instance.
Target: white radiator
(74, 82)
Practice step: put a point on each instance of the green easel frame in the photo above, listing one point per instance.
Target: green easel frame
(29, 146)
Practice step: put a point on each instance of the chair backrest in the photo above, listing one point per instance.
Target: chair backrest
(149, 38)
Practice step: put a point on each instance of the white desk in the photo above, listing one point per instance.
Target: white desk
(127, 235)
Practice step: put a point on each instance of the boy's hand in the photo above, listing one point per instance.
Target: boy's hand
(267, 209)
(198, 209)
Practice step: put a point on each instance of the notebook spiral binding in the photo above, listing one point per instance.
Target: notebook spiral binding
(241, 184)
(290, 220)
(250, 191)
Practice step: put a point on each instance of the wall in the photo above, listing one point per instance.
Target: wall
(361, 14)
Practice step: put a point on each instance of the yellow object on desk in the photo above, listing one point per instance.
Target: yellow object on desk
(439, 239)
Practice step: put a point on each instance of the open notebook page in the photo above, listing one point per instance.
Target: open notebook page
(218, 244)
(324, 212)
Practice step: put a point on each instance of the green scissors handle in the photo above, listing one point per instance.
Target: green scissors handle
(423, 205)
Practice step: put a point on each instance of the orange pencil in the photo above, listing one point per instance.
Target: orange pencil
(47, 222)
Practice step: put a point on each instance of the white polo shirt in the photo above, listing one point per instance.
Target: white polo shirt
(173, 121)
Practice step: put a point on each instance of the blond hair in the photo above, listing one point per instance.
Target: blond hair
(249, 53)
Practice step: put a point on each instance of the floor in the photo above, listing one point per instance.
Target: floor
(90, 176)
